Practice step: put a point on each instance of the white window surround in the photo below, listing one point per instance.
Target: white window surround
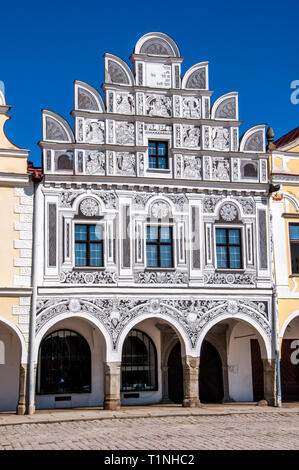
(105, 243)
(243, 245)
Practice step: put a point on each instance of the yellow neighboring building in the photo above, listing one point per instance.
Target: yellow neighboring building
(16, 208)
(285, 226)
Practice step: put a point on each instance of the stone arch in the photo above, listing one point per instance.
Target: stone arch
(20, 337)
(292, 200)
(196, 77)
(266, 349)
(226, 107)
(82, 197)
(156, 43)
(117, 71)
(185, 343)
(253, 140)
(286, 323)
(87, 98)
(45, 328)
(55, 128)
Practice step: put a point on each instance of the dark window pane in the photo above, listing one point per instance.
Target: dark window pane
(96, 255)
(64, 364)
(152, 234)
(162, 148)
(220, 235)
(295, 257)
(165, 234)
(162, 162)
(139, 363)
(234, 237)
(96, 232)
(152, 148)
(221, 256)
(235, 256)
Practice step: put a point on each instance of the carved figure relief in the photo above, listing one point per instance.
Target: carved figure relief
(157, 105)
(191, 108)
(95, 162)
(220, 169)
(220, 138)
(95, 131)
(192, 167)
(191, 136)
(125, 133)
(197, 79)
(125, 103)
(226, 109)
(125, 163)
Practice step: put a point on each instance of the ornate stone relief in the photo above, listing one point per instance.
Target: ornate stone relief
(89, 207)
(191, 136)
(109, 198)
(94, 131)
(116, 313)
(226, 109)
(81, 277)
(67, 198)
(125, 133)
(230, 278)
(178, 200)
(157, 105)
(210, 202)
(160, 210)
(156, 47)
(140, 199)
(158, 128)
(191, 108)
(254, 142)
(220, 169)
(125, 164)
(95, 162)
(220, 138)
(228, 212)
(86, 100)
(192, 167)
(54, 130)
(125, 103)
(117, 74)
(197, 79)
(161, 277)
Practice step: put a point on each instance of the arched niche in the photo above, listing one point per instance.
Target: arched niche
(196, 78)
(254, 140)
(117, 71)
(226, 107)
(87, 98)
(55, 128)
(158, 44)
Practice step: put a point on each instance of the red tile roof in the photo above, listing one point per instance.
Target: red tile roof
(287, 138)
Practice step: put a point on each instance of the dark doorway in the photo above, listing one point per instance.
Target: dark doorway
(210, 375)
(257, 370)
(175, 375)
(289, 372)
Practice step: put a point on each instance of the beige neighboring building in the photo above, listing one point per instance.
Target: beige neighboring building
(285, 216)
(16, 195)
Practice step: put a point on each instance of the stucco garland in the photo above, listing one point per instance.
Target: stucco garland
(191, 314)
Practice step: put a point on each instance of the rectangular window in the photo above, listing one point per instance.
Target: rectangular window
(89, 245)
(159, 247)
(157, 155)
(294, 242)
(228, 248)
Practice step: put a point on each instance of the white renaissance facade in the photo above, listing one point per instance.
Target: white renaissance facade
(152, 251)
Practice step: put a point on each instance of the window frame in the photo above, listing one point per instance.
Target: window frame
(102, 242)
(172, 244)
(242, 246)
(292, 242)
(156, 156)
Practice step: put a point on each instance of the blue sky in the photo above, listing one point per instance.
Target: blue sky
(252, 48)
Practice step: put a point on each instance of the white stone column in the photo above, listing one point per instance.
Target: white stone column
(191, 373)
(112, 386)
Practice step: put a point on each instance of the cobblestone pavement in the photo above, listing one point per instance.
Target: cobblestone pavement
(240, 431)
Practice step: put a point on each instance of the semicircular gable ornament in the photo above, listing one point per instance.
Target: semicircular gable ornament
(228, 212)
(160, 210)
(89, 207)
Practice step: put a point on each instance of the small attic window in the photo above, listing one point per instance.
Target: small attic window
(65, 162)
(250, 171)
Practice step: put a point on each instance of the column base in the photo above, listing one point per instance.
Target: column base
(21, 410)
(31, 409)
(191, 403)
(113, 405)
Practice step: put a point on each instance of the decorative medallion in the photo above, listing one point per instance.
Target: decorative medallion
(228, 212)
(160, 210)
(89, 207)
